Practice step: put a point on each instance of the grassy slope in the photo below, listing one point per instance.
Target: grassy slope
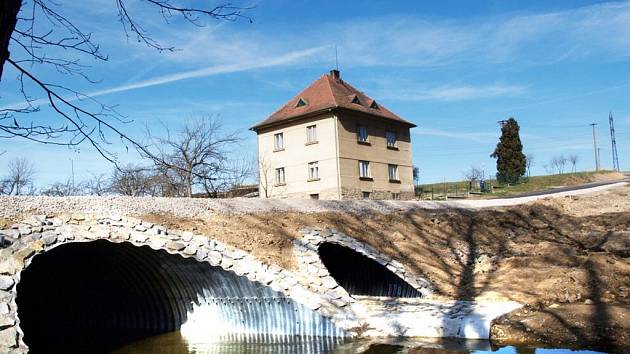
(533, 184)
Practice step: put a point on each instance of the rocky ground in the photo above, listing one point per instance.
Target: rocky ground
(552, 254)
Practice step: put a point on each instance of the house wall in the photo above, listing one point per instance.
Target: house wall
(379, 156)
(295, 158)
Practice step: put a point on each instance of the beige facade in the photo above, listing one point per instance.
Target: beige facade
(337, 153)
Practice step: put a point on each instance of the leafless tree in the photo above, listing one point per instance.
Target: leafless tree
(131, 180)
(19, 177)
(473, 175)
(198, 154)
(573, 159)
(60, 189)
(529, 163)
(265, 175)
(558, 163)
(97, 184)
(239, 170)
(36, 37)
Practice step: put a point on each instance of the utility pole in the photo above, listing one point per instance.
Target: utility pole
(615, 155)
(72, 169)
(595, 147)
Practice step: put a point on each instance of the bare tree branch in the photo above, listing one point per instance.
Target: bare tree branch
(42, 35)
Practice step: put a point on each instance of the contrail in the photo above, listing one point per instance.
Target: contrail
(207, 71)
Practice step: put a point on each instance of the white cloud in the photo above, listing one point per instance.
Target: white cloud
(452, 93)
(481, 137)
(285, 59)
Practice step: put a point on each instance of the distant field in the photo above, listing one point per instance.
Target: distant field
(532, 184)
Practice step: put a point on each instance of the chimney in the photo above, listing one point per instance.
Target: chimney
(334, 74)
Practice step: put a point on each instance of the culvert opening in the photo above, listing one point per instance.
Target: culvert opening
(93, 297)
(360, 275)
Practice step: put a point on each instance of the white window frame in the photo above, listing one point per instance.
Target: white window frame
(278, 142)
(394, 142)
(394, 168)
(364, 169)
(362, 134)
(313, 170)
(280, 176)
(311, 134)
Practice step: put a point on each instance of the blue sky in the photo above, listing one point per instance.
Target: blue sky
(454, 68)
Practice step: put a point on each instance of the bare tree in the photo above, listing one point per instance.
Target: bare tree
(19, 178)
(97, 184)
(131, 180)
(573, 159)
(265, 175)
(558, 163)
(529, 163)
(239, 170)
(473, 174)
(199, 154)
(60, 189)
(39, 37)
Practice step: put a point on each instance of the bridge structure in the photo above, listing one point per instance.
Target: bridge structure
(101, 281)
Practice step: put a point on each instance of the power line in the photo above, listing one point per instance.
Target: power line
(615, 155)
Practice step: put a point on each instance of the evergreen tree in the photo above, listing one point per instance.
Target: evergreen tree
(509, 154)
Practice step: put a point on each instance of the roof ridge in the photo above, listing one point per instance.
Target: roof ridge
(337, 95)
(330, 89)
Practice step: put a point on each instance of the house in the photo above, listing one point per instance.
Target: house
(331, 141)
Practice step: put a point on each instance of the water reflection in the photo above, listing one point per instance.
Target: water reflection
(175, 343)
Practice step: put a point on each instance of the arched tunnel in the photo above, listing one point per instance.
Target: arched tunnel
(96, 296)
(361, 275)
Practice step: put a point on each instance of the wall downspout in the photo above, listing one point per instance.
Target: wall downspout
(337, 157)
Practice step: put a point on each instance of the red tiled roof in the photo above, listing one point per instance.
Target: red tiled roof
(329, 92)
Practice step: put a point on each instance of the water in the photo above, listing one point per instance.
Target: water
(176, 343)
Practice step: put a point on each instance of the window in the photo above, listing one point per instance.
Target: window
(393, 172)
(391, 139)
(314, 196)
(374, 105)
(356, 100)
(362, 135)
(311, 134)
(313, 171)
(396, 196)
(366, 195)
(301, 103)
(278, 142)
(364, 169)
(280, 176)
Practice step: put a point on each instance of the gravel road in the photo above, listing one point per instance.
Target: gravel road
(12, 206)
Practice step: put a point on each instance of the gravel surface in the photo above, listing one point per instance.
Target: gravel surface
(12, 206)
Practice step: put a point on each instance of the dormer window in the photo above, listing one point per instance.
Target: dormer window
(374, 105)
(355, 99)
(301, 103)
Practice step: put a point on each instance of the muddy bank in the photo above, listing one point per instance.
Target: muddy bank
(596, 325)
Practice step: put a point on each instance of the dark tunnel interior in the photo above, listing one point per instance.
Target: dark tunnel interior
(361, 275)
(96, 296)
